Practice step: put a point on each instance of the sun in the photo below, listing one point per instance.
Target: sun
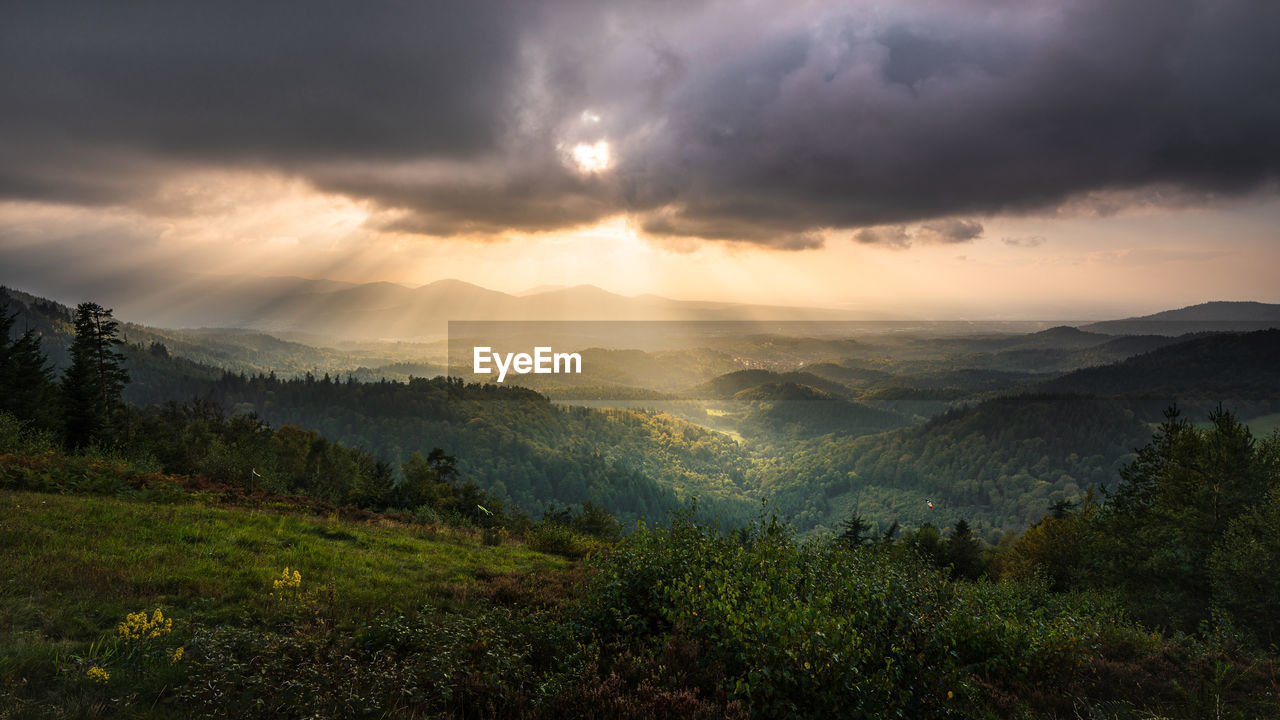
(592, 158)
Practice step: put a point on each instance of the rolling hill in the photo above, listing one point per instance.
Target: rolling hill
(788, 411)
(1206, 317)
(1237, 369)
(728, 386)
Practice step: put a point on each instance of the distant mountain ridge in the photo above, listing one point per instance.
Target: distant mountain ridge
(383, 310)
(1220, 310)
(1216, 316)
(1238, 369)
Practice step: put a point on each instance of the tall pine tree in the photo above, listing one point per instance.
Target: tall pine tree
(963, 552)
(856, 531)
(26, 379)
(92, 385)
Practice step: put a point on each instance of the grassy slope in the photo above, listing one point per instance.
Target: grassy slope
(74, 566)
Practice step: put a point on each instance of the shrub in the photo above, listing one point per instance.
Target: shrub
(812, 629)
(493, 536)
(555, 538)
(21, 438)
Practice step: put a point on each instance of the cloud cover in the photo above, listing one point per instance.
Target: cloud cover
(762, 122)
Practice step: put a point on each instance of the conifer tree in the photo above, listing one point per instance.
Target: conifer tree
(26, 379)
(856, 531)
(963, 552)
(92, 385)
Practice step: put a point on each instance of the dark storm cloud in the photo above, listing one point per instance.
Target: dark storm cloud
(770, 123)
(959, 113)
(102, 98)
(273, 79)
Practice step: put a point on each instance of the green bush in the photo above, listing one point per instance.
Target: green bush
(1021, 632)
(811, 629)
(554, 538)
(66, 474)
(19, 438)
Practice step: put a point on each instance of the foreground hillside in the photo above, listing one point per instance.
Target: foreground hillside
(142, 609)
(85, 559)
(77, 566)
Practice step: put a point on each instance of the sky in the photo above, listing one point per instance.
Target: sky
(939, 158)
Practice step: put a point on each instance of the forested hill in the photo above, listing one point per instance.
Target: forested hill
(1220, 311)
(511, 441)
(788, 411)
(1001, 463)
(1004, 461)
(728, 385)
(1211, 316)
(1239, 370)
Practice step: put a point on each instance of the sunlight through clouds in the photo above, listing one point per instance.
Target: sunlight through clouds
(814, 153)
(592, 158)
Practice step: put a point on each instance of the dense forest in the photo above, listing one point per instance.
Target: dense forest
(510, 440)
(1236, 369)
(1001, 463)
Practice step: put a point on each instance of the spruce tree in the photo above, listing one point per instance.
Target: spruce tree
(6, 325)
(856, 531)
(963, 552)
(92, 385)
(26, 379)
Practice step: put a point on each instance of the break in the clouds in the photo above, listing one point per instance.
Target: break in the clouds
(780, 124)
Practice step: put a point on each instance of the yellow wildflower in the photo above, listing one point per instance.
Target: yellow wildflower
(137, 626)
(97, 674)
(288, 580)
(177, 655)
